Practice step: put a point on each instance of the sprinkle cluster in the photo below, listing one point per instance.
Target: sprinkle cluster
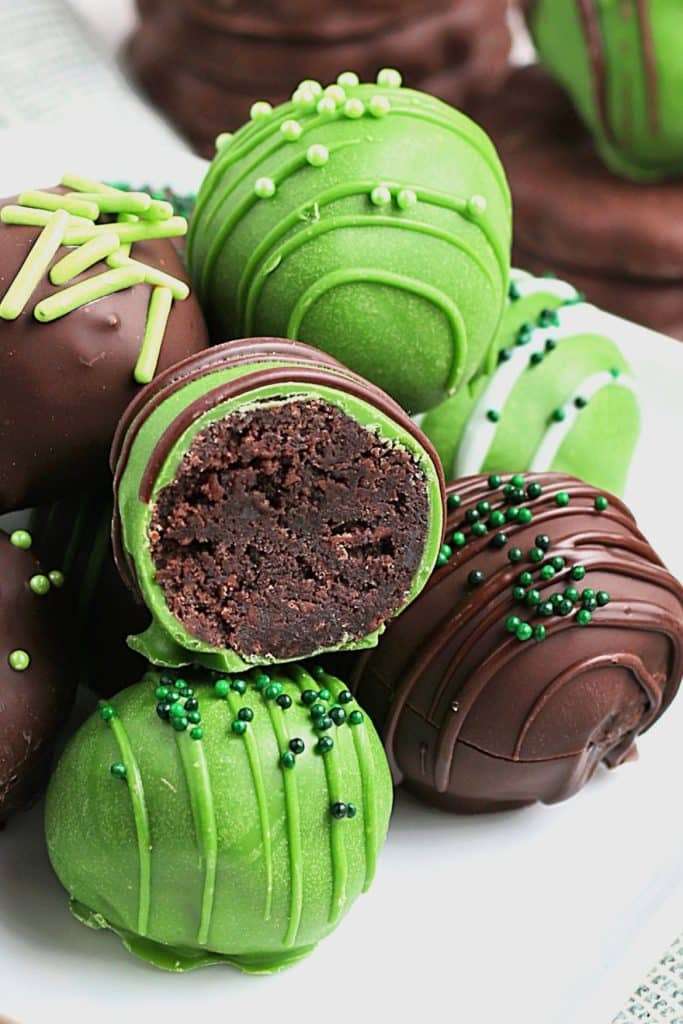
(178, 705)
(40, 584)
(71, 220)
(543, 567)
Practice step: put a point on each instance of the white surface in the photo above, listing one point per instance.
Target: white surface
(544, 916)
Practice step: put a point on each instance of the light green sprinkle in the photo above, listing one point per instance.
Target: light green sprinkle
(390, 78)
(264, 188)
(138, 231)
(28, 217)
(87, 291)
(379, 106)
(80, 184)
(354, 108)
(21, 539)
(224, 139)
(476, 206)
(19, 660)
(326, 105)
(35, 266)
(84, 257)
(348, 79)
(118, 202)
(317, 155)
(405, 199)
(159, 209)
(179, 289)
(157, 318)
(126, 218)
(39, 584)
(260, 110)
(75, 205)
(336, 93)
(291, 130)
(380, 196)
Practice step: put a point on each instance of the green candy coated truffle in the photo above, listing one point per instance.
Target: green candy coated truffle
(562, 390)
(620, 60)
(382, 238)
(206, 848)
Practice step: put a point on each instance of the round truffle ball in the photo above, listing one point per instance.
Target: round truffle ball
(561, 397)
(37, 684)
(67, 374)
(233, 820)
(621, 65)
(550, 636)
(370, 220)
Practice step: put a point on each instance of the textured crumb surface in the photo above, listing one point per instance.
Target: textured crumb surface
(288, 529)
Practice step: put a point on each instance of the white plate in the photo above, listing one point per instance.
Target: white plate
(534, 917)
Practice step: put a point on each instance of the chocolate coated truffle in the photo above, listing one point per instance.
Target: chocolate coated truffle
(37, 684)
(203, 63)
(270, 505)
(543, 646)
(561, 397)
(369, 220)
(229, 821)
(621, 64)
(73, 353)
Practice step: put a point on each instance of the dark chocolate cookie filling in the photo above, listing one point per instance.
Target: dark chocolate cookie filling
(287, 529)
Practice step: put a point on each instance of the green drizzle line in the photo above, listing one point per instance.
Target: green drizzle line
(141, 816)
(340, 867)
(293, 813)
(198, 783)
(262, 802)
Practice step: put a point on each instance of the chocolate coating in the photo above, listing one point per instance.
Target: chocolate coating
(35, 700)
(474, 718)
(65, 383)
(203, 63)
(618, 241)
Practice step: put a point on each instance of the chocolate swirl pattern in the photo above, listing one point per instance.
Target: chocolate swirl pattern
(549, 638)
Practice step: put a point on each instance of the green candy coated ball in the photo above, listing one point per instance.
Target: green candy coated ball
(265, 870)
(378, 230)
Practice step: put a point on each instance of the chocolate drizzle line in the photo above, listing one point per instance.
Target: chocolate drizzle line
(596, 55)
(649, 64)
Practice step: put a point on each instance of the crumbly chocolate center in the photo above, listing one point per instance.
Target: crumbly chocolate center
(289, 528)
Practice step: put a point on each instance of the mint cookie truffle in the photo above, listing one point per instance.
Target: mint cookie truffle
(621, 64)
(270, 505)
(220, 820)
(369, 220)
(37, 684)
(561, 396)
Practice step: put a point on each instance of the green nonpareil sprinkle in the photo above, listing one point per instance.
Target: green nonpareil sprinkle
(86, 291)
(35, 266)
(52, 201)
(159, 278)
(84, 257)
(152, 340)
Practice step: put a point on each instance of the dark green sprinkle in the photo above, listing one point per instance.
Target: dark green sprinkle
(324, 744)
(447, 551)
(603, 597)
(173, 697)
(318, 671)
(197, 733)
(492, 415)
(161, 692)
(515, 554)
(272, 691)
(525, 516)
(284, 701)
(177, 710)
(118, 770)
(500, 540)
(516, 496)
(578, 572)
(534, 490)
(550, 344)
(476, 578)
(512, 622)
(540, 633)
(297, 746)
(584, 617)
(565, 607)
(524, 631)
(548, 318)
(318, 710)
(519, 593)
(572, 594)
(504, 355)
(517, 480)
(526, 578)
(546, 609)
(497, 518)
(557, 600)
(524, 334)
(590, 604)
(587, 594)
(338, 809)
(344, 696)
(558, 416)
(480, 530)
(287, 759)
(542, 541)
(454, 501)
(533, 598)
(441, 560)
(536, 555)
(562, 499)
(483, 508)
(459, 539)
(179, 724)
(615, 371)
(601, 503)
(536, 358)
(471, 516)
(351, 810)
(166, 680)
(107, 712)
(494, 481)
(355, 718)
(513, 291)
(338, 715)
(239, 727)
(557, 562)
(512, 514)
(239, 686)
(323, 723)
(324, 694)
(221, 687)
(194, 717)
(580, 402)
(181, 685)
(309, 697)
(192, 704)
(163, 710)
(261, 680)
(547, 572)
(245, 715)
